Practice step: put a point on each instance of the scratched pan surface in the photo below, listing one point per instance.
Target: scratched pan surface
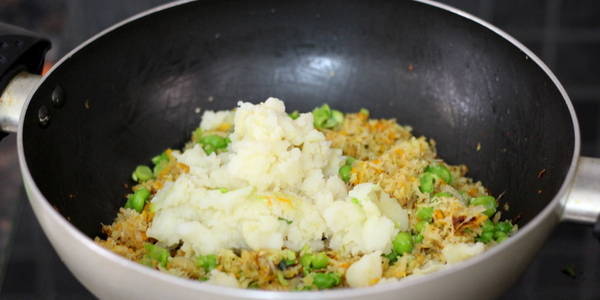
(134, 92)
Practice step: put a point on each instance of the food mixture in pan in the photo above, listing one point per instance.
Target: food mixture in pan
(263, 199)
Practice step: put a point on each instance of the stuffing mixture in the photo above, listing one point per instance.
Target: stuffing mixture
(264, 199)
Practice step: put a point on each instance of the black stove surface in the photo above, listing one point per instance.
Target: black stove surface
(565, 34)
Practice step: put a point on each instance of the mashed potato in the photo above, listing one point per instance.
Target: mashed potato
(277, 186)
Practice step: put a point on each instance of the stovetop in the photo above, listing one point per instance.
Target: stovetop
(565, 34)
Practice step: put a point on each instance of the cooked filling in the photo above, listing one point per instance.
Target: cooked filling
(263, 199)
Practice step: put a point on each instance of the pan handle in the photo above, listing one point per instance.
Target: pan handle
(21, 54)
(583, 203)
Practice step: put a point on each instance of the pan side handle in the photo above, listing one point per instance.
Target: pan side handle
(21, 52)
(583, 202)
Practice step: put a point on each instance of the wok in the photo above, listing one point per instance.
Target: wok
(132, 90)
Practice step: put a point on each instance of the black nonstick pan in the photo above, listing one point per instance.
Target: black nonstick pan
(132, 91)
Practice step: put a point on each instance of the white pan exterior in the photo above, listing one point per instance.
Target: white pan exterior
(110, 276)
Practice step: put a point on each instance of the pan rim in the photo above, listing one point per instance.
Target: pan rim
(551, 208)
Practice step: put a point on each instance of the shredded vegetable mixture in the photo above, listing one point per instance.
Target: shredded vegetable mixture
(346, 200)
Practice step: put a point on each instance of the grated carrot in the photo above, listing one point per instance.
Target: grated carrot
(185, 168)
(284, 200)
(157, 185)
(473, 192)
(374, 281)
(223, 127)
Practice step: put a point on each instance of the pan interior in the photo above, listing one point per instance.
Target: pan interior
(134, 92)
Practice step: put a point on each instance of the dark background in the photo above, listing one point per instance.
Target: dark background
(565, 34)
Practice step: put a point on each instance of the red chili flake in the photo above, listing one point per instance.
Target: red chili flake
(457, 220)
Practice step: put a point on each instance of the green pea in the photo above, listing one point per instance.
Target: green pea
(417, 238)
(337, 117)
(345, 173)
(197, 134)
(321, 115)
(364, 111)
(306, 261)
(403, 243)
(505, 227)
(325, 117)
(294, 115)
(486, 237)
(147, 261)
(138, 199)
(319, 261)
(137, 203)
(441, 171)
(326, 280)
(227, 142)
(427, 182)
(392, 256)
(488, 226)
(500, 236)
(425, 214)
(161, 166)
(142, 193)
(207, 262)
(216, 141)
(129, 203)
(160, 158)
(156, 253)
(142, 173)
(442, 195)
(208, 149)
(420, 226)
(160, 162)
(156, 159)
(488, 202)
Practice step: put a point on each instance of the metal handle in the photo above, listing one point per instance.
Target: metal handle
(13, 98)
(20, 51)
(583, 202)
